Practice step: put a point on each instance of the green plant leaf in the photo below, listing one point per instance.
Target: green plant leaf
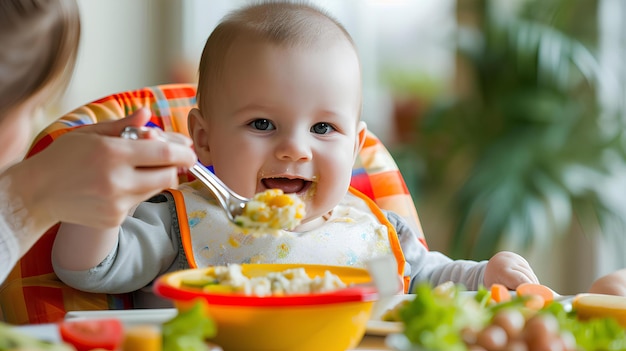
(533, 142)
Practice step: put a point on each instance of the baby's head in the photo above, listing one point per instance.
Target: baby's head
(279, 99)
(38, 47)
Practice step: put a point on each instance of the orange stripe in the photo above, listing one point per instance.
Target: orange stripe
(183, 226)
(388, 183)
(104, 99)
(173, 91)
(370, 140)
(391, 233)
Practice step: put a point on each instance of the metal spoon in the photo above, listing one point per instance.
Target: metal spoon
(232, 203)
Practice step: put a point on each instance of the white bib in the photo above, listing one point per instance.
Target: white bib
(349, 237)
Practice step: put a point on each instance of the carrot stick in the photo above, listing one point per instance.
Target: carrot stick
(529, 289)
(500, 293)
(534, 302)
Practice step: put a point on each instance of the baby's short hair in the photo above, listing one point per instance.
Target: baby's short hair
(285, 23)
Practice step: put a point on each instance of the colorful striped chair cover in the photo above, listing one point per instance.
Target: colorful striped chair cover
(33, 294)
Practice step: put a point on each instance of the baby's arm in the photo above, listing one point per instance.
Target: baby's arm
(78, 247)
(145, 246)
(505, 267)
(432, 266)
(509, 269)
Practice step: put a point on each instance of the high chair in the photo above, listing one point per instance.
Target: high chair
(33, 294)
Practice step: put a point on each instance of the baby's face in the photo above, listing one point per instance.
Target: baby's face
(286, 118)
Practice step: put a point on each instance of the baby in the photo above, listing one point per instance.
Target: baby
(279, 103)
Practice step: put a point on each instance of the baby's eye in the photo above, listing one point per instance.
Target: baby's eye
(322, 128)
(262, 124)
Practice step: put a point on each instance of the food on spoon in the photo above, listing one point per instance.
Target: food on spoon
(272, 210)
(230, 279)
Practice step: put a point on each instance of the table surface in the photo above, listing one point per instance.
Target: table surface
(50, 332)
(372, 342)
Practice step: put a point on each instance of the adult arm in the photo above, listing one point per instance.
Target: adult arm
(88, 176)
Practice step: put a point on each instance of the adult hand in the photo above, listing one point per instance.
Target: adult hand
(509, 269)
(91, 176)
(613, 283)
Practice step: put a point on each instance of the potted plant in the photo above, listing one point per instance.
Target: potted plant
(533, 143)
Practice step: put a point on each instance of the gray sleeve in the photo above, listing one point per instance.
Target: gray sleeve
(432, 266)
(148, 246)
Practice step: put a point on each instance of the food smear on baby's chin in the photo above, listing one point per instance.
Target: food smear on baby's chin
(310, 192)
(270, 211)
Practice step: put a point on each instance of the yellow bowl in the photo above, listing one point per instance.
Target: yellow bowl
(323, 321)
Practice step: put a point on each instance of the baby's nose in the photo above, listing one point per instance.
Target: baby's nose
(293, 149)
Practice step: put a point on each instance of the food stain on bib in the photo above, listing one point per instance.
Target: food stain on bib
(283, 250)
(195, 217)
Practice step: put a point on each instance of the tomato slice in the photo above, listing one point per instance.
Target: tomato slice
(91, 334)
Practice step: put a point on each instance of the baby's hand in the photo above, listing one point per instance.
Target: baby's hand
(509, 269)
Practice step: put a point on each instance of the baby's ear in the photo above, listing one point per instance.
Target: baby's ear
(199, 133)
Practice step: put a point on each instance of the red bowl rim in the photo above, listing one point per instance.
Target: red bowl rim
(355, 293)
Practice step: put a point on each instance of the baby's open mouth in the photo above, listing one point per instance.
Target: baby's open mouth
(288, 186)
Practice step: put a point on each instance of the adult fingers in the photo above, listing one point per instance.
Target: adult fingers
(157, 153)
(150, 181)
(175, 138)
(114, 128)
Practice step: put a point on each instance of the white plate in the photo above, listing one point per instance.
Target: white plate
(45, 332)
(382, 328)
(155, 316)
(376, 326)
(50, 332)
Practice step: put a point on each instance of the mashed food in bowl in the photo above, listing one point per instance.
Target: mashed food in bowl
(293, 281)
